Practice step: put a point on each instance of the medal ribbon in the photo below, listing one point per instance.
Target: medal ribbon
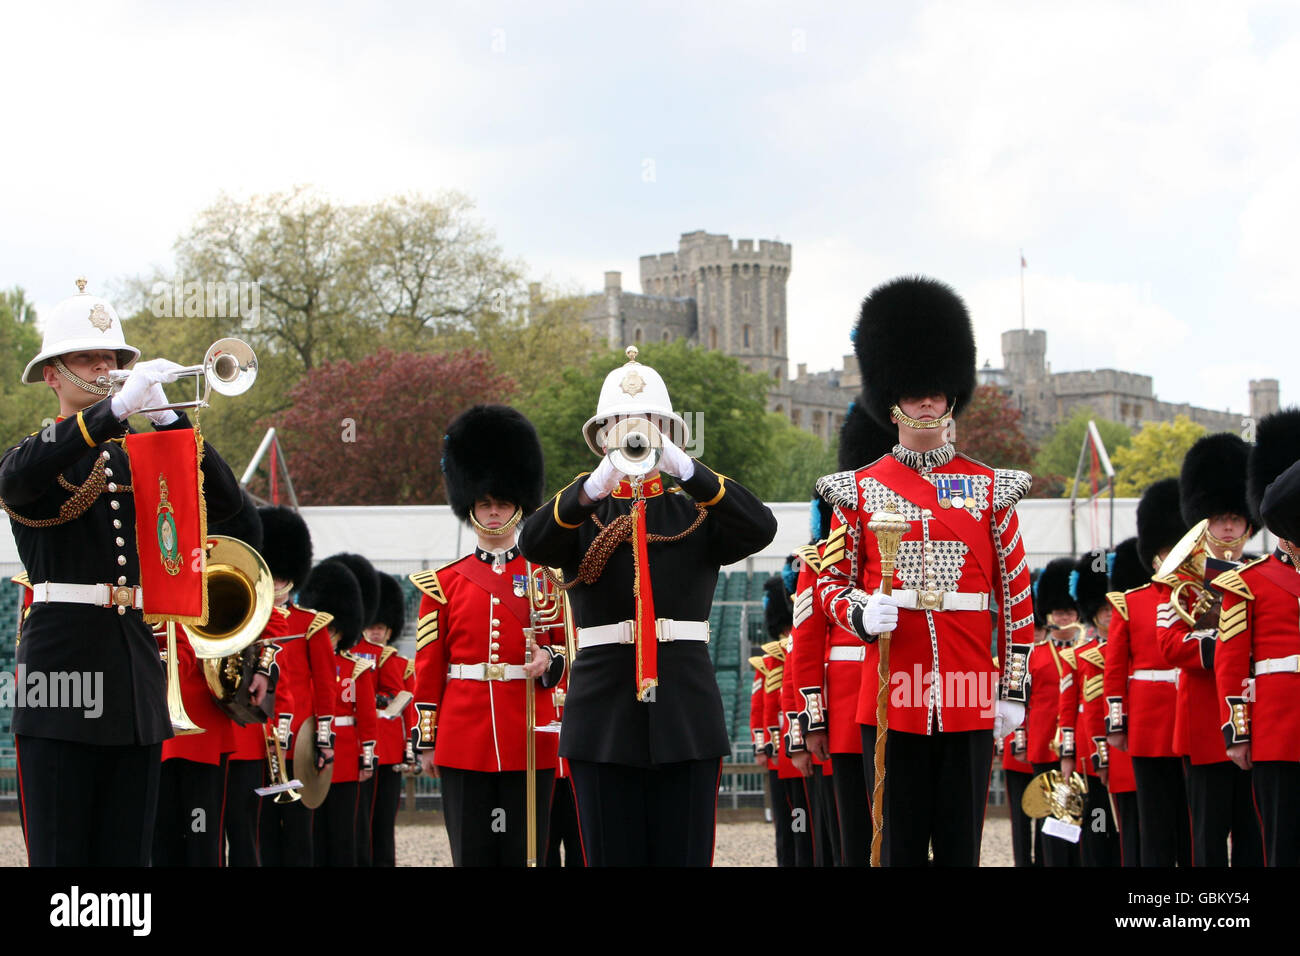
(647, 639)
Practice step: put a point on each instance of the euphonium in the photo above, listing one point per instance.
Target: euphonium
(1184, 571)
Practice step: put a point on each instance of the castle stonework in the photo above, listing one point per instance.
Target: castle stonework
(730, 296)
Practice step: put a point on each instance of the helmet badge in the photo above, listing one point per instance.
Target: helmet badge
(100, 318)
(632, 382)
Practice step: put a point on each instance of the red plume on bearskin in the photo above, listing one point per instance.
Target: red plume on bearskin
(914, 338)
(1160, 524)
(1213, 478)
(492, 450)
(333, 588)
(286, 544)
(1277, 448)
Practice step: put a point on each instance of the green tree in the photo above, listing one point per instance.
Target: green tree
(1058, 457)
(22, 407)
(1156, 452)
(794, 461)
(989, 431)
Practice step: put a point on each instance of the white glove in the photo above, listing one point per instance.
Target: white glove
(135, 392)
(1009, 716)
(157, 397)
(602, 481)
(880, 614)
(675, 461)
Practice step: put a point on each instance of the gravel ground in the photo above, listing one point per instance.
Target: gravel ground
(739, 844)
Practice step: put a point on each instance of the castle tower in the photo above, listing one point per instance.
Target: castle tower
(1024, 355)
(739, 292)
(1263, 397)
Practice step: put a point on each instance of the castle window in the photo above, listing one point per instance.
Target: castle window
(713, 339)
(776, 340)
(794, 417)
(744, 301)
(776, 373)
(747, 336)
(666, 335)
(638, 335)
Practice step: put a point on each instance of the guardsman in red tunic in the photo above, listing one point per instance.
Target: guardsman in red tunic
(789, 799)
(961, 556)
(306, 687)
(765, 755)
(394, 719)
(1114, 767)
(1050, 743)
(472, 654)
(1212, 487)
(1017, 771)
(1089, 582)
(1141, 688)
(1257, 659)
(332, 588)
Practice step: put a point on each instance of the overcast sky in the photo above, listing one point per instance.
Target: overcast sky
(1146, 157)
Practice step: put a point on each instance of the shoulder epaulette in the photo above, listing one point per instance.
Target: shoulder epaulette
(321, 620)
(840, 489)
(385, 654)
(809, 555)
(757, 664)
(22, 579)
(774, 649)
(1119, 602)
(410, 669)
(1233, 581)
(1009, 486)
(427, 582)
(1068, 654)
(1094, 656)
(359, 664)
(282, 611)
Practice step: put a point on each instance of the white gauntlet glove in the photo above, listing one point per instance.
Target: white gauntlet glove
(1009, 716)
(137, 391)
(676, 462)
(602, 481)
(878, 615)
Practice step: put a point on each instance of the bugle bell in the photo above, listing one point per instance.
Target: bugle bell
(635, 446)
(1184, 571)
(229, 368)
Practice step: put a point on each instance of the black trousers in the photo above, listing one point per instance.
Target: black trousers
(1053, 851)
(1130, 828)
(1099, 845)
(1162, 806)
(334, 827)
(188, 828)
(826, 825)
(563, 829)
(1222, 804)
(647, 816)
(780, 820)
(365, 817)
(486, 815)
(796, 816)
(852, 809)
(1277, 791)
(243, 809)
(1022, 827)
(936, 788)
(383, 822)
(285, 831)
(87, 804)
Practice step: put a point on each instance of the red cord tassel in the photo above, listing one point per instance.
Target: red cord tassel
(647, 638)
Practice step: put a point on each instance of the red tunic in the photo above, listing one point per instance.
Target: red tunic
(1048, 671)
(1260, 621)
(469, 615)
(306, 662)
(1197, 732)
(218, 729)
(942, 661)
(1143, 707)
(757, 715)
(355, 699)
(826, 689)
(390, 682)
(791, 726)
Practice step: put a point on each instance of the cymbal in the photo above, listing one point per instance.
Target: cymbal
(315, 784)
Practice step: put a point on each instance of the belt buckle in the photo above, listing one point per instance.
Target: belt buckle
(929, 600)
(664, 634)
(494, 672)
(123, 596)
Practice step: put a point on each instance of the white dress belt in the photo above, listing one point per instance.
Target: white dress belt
(344, 721)
(622, 633)
(1278, 665)
(913, 600)
(846, 652)
(485, 672)
(1165, 677)
(100, 595)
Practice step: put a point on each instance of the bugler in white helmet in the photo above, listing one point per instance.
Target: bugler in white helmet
(633, 389)
(80, 323)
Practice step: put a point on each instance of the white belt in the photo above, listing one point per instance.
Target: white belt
(1278, 665)
(914, 600)
(844, 652)
(622, 633)
(1166, 677)
(100, 595)
(486, 672)
(344, 721)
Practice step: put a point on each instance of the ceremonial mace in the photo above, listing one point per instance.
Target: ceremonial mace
(889, 527)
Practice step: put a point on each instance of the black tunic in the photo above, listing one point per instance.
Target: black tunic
(119, 651)
(603, 720)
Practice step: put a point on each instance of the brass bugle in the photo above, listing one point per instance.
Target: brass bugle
(229, 368)
(180, 721)
(635, 446)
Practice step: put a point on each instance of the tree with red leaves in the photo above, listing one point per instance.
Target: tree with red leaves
(989, 431)
(370, 432)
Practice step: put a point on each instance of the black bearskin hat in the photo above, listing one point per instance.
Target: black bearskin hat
(367, 579)
(778, 612)
(492, 450)
(245, 524)
(1040, 619)
(1054, 588)
(1089, 582)
(914, 338)
(286, 544)
(1160, 525)
(1277, 448)
(333, 588)
(1126, 569)
(1213, 479)
(862, 438)
(392, 606)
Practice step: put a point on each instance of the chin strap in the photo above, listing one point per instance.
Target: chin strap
(904, 419)
(77, 380)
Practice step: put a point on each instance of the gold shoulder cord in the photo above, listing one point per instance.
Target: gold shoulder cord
(610, 537)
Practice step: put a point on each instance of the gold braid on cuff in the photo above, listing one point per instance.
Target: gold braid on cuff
(904, 419)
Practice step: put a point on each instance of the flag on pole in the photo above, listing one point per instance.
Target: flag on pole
(1023, 263)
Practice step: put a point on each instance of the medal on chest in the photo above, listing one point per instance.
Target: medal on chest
(519, 585)
(955, 491)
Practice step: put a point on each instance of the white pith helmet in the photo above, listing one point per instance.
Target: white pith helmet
(634, 389)
(80, 323)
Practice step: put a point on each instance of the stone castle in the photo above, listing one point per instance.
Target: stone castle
(730, 296)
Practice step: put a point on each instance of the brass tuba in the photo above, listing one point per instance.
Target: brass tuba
(1050, 794)
(1184, 571)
